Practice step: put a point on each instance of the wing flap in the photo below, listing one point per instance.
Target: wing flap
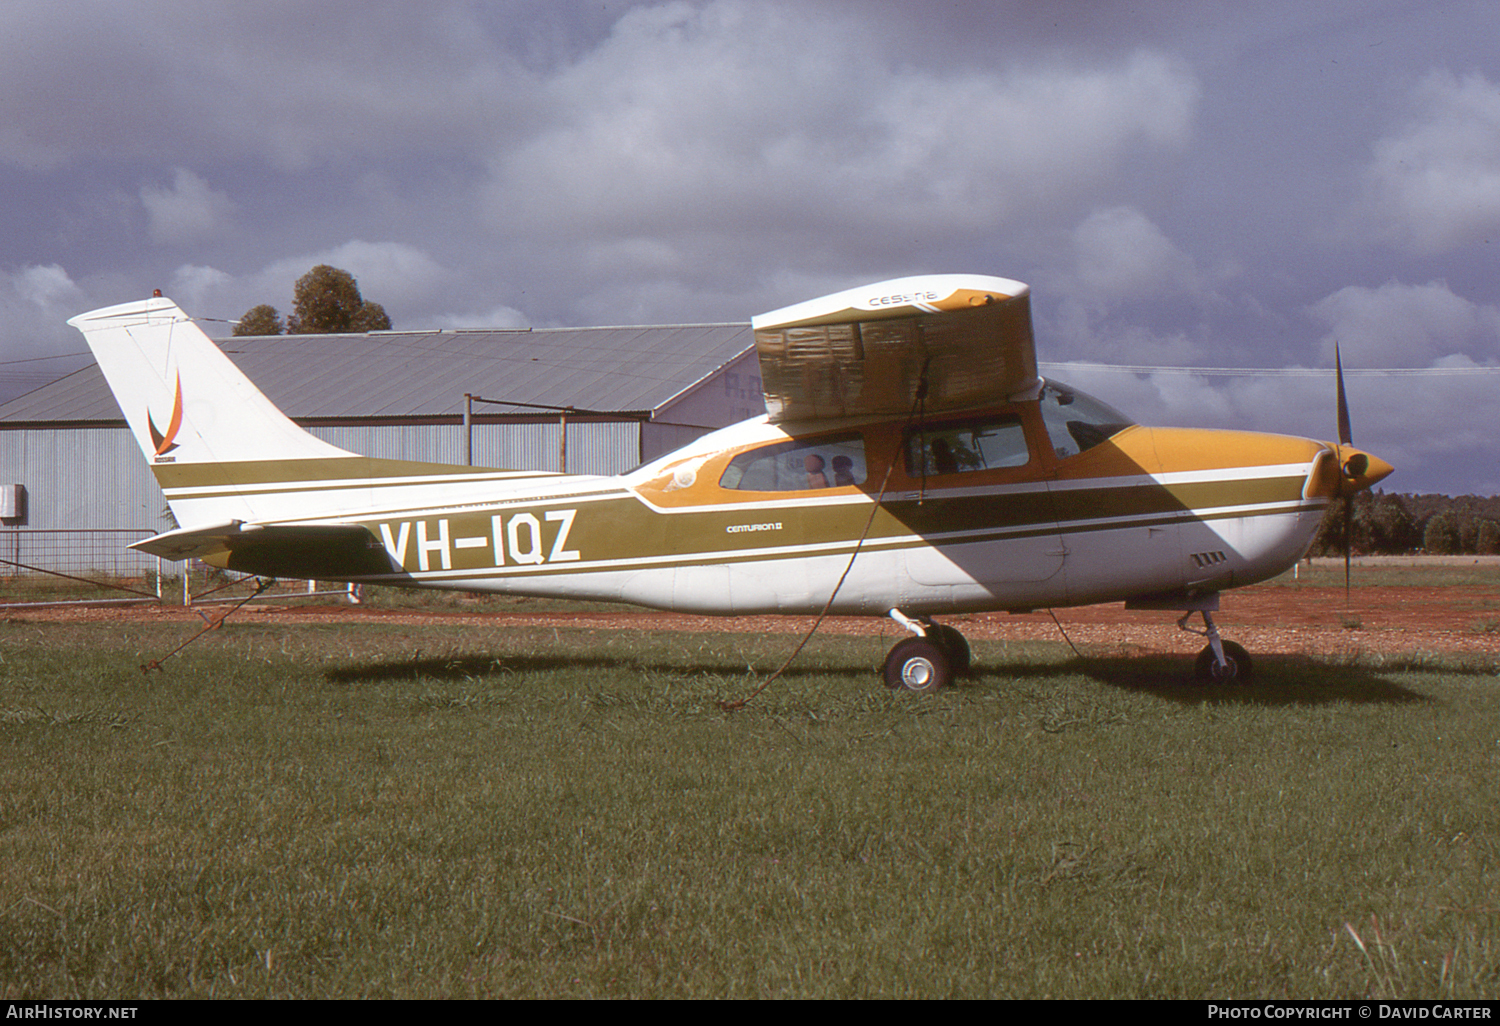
(867, 351)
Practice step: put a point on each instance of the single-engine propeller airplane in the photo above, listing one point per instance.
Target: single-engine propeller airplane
(911, 463)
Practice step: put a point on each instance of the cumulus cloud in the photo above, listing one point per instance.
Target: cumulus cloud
(35, 301)
(495, 317)
(195, 287)
(286, 85)
(45, 287)
(398, 276)
(1434, 181)
(1398, 325)
(389, 273)
(1122, 254)
(1123, 291)
(186, 210)
(644, 149)
(742, 117)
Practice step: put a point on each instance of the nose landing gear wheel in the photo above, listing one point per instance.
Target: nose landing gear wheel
(1208, 671)
(917, 664)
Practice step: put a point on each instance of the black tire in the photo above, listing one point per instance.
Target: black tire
(1206, 670)
(918, 664)
(955, 646)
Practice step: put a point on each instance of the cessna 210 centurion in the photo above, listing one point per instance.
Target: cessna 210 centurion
(911, 463)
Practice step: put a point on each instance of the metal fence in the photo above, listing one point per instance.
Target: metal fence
(88, 567)
(99, 553)
(46, 566)
(202, 584)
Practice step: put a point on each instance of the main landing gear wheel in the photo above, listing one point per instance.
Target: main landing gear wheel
(954, 645)
(918, 664)
(1208, 671)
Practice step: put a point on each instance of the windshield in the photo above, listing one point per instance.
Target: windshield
(1076, 421)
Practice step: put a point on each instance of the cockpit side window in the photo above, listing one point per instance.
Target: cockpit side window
(831, 462)
(963, 446)
(1076, 421)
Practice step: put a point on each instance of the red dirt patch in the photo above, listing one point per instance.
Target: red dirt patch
(1265, 619)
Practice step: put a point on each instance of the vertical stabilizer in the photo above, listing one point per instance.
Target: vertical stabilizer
(185, 401)
(192, 411)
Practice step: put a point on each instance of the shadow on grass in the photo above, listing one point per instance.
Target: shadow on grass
(467, 667)
(1278, 680)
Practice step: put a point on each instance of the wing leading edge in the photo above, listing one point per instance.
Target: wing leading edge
(863, 352)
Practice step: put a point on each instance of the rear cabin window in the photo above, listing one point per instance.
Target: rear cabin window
(798, 465)
(965, 446)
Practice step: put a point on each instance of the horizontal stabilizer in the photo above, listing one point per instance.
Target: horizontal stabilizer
(313, 551)
(192, 543)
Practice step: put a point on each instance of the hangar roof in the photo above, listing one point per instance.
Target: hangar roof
(416, 374)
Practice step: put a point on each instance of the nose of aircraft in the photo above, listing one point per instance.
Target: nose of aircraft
(1360, 469)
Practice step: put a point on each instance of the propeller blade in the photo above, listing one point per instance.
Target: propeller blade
(1345, 437)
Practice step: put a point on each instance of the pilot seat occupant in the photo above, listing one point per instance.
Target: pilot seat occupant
(815, 476)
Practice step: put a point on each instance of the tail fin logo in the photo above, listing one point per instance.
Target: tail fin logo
(165, 443)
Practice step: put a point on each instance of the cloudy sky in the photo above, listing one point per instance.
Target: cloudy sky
(1205, 184)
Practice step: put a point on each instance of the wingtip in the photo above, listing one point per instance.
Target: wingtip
(896, 297)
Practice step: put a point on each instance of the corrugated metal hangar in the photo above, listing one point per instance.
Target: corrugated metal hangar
(588, 400)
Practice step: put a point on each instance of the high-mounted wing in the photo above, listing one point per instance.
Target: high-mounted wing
(864, 351)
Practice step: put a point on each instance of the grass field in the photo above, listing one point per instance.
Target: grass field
(381, 811)
(1394, 572)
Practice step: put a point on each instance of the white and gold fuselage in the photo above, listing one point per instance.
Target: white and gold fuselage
(884, 479)
(1150, 511)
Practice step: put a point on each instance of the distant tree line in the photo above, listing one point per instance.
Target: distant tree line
(1393, 525)
(326, 301)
